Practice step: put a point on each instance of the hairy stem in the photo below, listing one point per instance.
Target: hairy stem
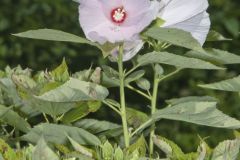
(122, 97)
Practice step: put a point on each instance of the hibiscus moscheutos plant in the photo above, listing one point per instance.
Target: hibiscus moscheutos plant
(120, 28)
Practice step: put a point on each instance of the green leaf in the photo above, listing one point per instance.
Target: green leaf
(144, 84)
(82, 110)
(57, 134)
(60, 74)
(176, 101)
(175, 60)
(96, 126)
(232, 85)
(107, 151)
(216, 55)
(159, 70)
(43, 152)
(215, 36)
(135, 118)
(171, 149)
(118, 154)
(140, 146)
(134, 76)
(227, 150)
(201, 113)
(79, 148)
(75, 90)
(56, 35)
(53, 35)
(110, 77)
(174, 36)
(6, 151)
(12, 118)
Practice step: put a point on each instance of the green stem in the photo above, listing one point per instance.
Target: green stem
(122, 97)
(112, 107)
(153, 110)
(139, 92)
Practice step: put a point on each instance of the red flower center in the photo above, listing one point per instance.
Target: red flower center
(118, 15)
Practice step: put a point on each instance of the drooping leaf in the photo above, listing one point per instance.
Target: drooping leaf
(216, 55)
(43, 152)
(12, 118)
(215, 36)
(165, 146)
(176, 101)
(134, 76)
(96, 126)
(227, 150)
(57, 134)
(75, 90)
(135, 118)
(201, 113)
(175, 60)
(174, 36)
(110, 77)
(232, 85)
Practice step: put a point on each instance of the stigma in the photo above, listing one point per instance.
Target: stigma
(118, 15)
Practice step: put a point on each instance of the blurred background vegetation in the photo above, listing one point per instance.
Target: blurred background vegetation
(21, 15)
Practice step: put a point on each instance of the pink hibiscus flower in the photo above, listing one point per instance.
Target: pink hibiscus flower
(116, 20)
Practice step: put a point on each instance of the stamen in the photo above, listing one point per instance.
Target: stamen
(118, 15)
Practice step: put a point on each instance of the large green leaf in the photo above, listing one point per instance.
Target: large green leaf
(215, 36)
(96, 126)
(216, 55)
(82, 110)
(75, 90)
(56, 35)
(12, 118)
(232, 85)
(174, 36)
(53, 35)
(57, 134)
(201, 113)
(43, 152)
(175, 60)
(227, 150)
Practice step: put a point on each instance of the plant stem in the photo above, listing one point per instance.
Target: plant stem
(153, 110)
(139, 92)
(112, 107)
(122, 97)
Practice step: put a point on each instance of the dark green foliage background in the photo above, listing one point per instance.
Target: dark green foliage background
(20, 15)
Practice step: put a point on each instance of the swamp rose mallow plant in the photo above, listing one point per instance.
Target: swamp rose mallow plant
(121, 23)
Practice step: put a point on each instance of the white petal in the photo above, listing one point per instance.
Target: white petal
(130, 50)
(198, 26)
(176, 11)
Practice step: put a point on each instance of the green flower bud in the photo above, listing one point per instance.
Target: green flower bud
(107, 151)
(118, 155)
